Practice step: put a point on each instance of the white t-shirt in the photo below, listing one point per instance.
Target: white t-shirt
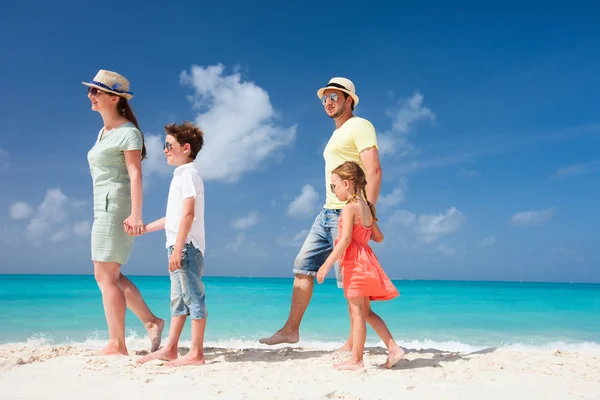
(186, 183)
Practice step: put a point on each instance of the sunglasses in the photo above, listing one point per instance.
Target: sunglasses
(332, 96)
(332, 187)
(94, 91)
(167, 146)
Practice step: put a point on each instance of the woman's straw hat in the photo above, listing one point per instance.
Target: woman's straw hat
(111, 82)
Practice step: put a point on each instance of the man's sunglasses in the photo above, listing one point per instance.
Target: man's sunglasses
(332, 96)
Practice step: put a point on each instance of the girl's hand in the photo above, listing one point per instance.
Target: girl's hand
(134, 225)
(323, 271)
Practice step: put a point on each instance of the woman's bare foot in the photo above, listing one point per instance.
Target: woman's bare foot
(155, 333)
(393, 358)
(165, 354)
(350, 365)
(113, 350)
(187, 360)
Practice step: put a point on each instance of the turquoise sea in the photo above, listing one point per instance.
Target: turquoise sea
(448, 315)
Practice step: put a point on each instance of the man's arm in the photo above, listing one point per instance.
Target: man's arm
(370, 159)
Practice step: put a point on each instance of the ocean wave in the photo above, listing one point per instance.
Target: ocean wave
(137, 342)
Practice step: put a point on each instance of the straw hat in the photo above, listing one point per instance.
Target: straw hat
(111, 82)
(343, 84)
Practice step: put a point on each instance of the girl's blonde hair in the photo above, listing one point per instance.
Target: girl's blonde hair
(352, 172)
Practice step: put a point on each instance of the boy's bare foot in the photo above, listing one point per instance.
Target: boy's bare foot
(393, 358)
(281, 337)
(165, 354)
(187, 360)
(155, 333)
(349, 365)
(112, 350)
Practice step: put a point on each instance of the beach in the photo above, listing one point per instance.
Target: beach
(290, 372)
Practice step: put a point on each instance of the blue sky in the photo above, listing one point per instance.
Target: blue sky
(488, 118)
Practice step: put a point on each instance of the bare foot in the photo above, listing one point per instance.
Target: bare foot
(112, 350)
(165, 354)
(187, 360)
(346, 348)
(155, 334)
(393, 358)
(280, 337)
(349, 365)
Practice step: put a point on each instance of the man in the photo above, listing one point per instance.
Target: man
(354, 139)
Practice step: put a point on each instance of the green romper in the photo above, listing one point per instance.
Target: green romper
(112, 192)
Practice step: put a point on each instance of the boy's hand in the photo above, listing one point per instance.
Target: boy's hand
(323, 271)
(175, 260)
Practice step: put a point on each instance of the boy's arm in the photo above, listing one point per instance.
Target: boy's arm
(157, 225)
(189, 205)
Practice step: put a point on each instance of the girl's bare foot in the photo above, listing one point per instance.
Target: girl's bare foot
(165, 354)
(350, 365)
(112, 350)
(187, 360)
(394, 357)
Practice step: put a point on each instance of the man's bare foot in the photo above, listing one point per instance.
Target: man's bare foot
(187, 360)
(112, 350)
(281, 337)
(393, 358)
(155, 333)
(165, 354)
(349, 365)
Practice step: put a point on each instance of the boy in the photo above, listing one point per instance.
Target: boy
(184, 228)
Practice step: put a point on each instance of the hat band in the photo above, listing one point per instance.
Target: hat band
(337, 85)
(113, 89)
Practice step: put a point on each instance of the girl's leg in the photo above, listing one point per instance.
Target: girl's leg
(135, 302)
(113, 299)
(395, 353)
(358, 309)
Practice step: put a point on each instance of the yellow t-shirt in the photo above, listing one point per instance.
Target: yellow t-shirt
(345, 144)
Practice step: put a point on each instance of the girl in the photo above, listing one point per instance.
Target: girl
(364, 279)
(115, 165)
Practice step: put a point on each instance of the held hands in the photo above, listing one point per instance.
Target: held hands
(175, 260)
(134, 225)
(322, 273)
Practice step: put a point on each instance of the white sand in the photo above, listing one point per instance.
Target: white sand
(65, 372)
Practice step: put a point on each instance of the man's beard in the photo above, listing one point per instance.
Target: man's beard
(339, 113)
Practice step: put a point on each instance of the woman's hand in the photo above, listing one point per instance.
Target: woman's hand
(134, 225)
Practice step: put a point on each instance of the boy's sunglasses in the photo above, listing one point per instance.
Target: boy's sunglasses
(167, 146)
(332, 96)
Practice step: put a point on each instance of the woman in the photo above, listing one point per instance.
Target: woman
(115, 165)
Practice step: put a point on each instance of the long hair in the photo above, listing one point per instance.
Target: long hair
(125, 110)
(352, 172)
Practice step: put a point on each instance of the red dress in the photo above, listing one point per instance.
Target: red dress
(362, 274)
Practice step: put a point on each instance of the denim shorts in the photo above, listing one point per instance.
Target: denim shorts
(187, 289)
(318, 245)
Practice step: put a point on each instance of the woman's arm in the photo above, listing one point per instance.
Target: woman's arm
(133, 161)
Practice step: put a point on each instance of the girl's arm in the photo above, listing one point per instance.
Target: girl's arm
(376, 234)
(348, 213)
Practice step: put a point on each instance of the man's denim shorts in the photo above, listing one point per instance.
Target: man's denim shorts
(187, 288)
(319, 245)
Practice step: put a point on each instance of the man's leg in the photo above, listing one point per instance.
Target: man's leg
(312, 255)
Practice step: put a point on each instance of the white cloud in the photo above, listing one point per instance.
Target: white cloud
(245, 222)
(488, 241)
(531, 218)
(296, 241)
(578, 169)
(4, 163)
(305, 204)
(429, 228)
(396, 196)
(50, 221)
(20, 210)
(241, 245)
(409, 112)
(447, 250)
(237, 119)
(155, 162)
(468, 173)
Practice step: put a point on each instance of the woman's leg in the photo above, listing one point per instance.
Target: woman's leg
(395, 353)
(135, 302)
(107, 276)
(359, 334)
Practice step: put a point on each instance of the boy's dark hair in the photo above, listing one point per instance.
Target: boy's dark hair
(187, 133)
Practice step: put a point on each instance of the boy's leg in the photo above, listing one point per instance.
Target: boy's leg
(358, 310)
(192, 269)
(395, 353)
